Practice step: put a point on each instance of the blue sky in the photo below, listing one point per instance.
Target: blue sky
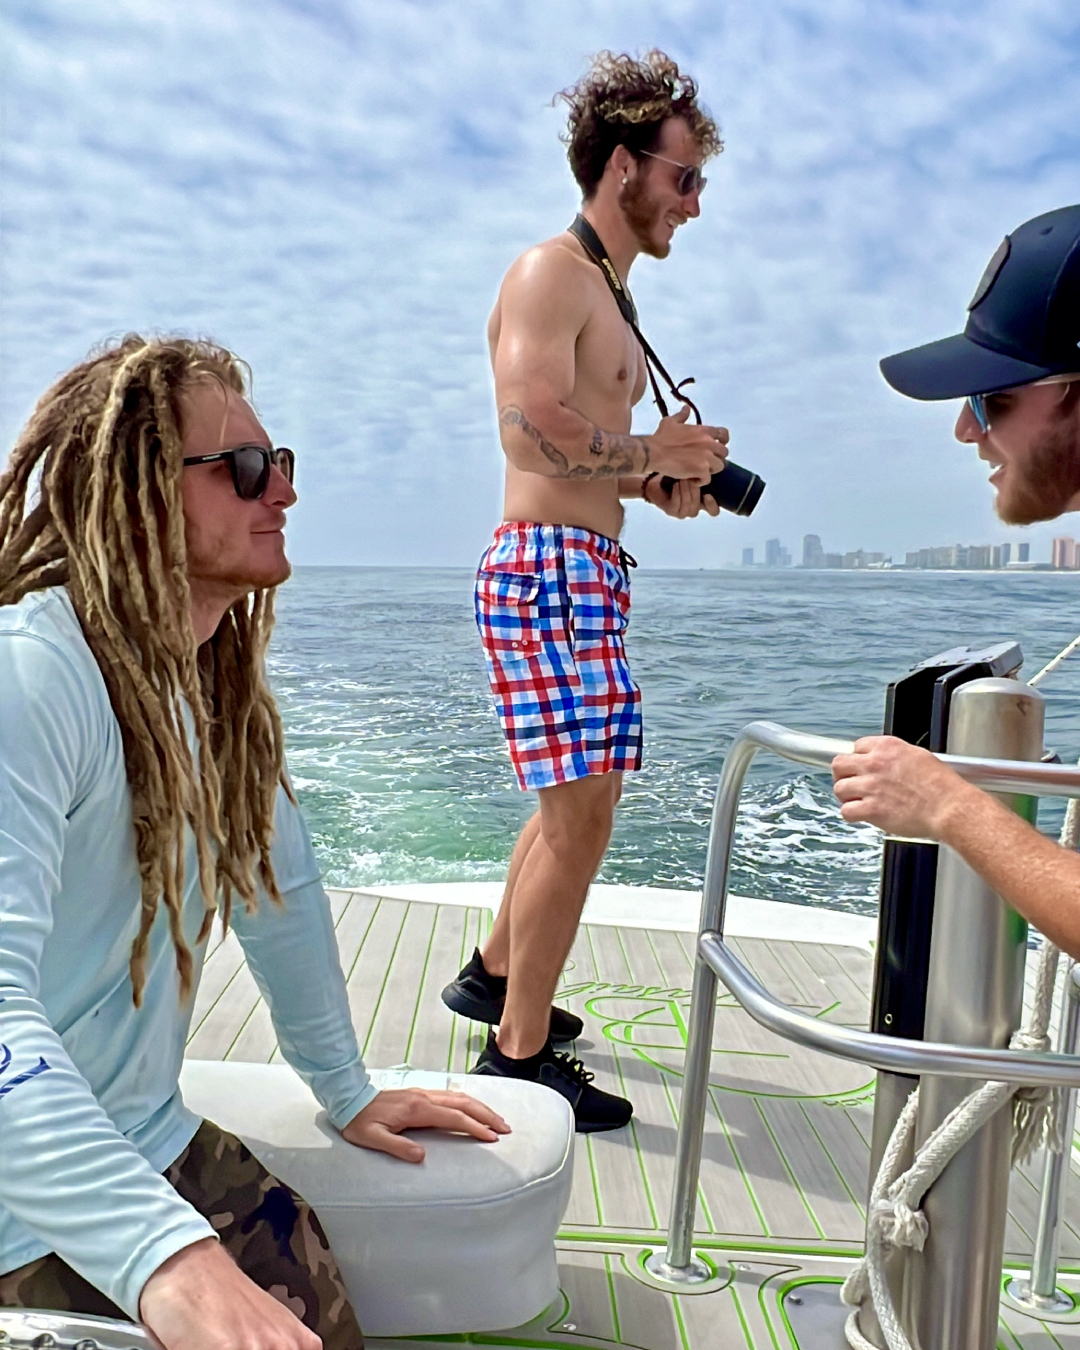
(334, 188)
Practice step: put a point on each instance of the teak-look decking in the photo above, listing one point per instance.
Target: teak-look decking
(784, 1172)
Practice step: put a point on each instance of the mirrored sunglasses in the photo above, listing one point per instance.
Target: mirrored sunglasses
(250, 466)
(690, 180)
(977, 402)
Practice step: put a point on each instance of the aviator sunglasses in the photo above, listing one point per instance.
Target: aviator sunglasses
(977, 402)
(250, 465)
(690, 180)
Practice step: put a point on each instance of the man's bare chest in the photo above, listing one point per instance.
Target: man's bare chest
(609, 362)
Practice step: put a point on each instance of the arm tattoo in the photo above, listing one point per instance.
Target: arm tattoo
(612, 453)
(514, 417)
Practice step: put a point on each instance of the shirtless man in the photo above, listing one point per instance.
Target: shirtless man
(552, 591)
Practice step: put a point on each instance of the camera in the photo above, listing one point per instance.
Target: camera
(734, 488)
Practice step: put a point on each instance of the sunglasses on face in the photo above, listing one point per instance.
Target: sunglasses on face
(690, 180)
(250, 465)
(977, 402)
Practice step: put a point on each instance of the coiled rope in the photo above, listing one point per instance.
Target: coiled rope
(894, 1217)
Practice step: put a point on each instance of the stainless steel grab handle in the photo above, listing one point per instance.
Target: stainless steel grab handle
(883, 1052)
(678, 1264)
(995, 775)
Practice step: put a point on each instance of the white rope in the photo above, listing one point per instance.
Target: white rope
(894, 1219)
(1053, 665)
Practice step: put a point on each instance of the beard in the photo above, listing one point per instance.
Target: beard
(643, 214)
(1043, 488)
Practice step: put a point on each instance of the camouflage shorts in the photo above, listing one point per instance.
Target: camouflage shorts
(272, 1234)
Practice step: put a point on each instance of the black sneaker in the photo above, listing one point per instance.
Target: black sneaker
(479, 996)
(593, 1109)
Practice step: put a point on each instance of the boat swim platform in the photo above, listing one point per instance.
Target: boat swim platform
(781, 1202)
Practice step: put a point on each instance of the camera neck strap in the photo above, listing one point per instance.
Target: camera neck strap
(594, 249)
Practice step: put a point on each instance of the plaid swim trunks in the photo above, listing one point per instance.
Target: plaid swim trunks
(552, 603)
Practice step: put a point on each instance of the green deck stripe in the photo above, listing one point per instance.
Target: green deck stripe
(700, 1189)
(745, 1244)
(856, 1126)
(782, 1293)
(243, 1024)
(595, 1180)
(738, 1162)
(677, 1307)
(637, 1145)
(813, 1128)
(385, 979)
(622, 948)
(592, 954)
(788, 1169)
(611, 1297)
(367, 930)
(833, 1096)
(221, 993)
(652, 948)
(454, 1023)
(742, 1318)
(420, 985)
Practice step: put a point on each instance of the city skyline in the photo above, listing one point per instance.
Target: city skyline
(1009, 556)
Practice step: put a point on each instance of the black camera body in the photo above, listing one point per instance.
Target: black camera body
(734, 488)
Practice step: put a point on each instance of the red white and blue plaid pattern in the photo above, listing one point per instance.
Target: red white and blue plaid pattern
(551, 604)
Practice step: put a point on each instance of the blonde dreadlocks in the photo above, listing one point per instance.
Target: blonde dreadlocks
(108, 524)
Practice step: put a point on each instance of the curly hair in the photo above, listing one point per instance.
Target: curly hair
(623, 101)
(104, 444)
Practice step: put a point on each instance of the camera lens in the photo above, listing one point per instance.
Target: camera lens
(734, 488)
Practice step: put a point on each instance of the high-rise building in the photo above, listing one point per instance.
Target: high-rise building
(1023, 552)
(1063, 554)
(748, 557)
(776, 555)
(968, 557)
(813, 555)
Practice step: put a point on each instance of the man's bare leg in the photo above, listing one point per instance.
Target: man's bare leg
(496, 950)
(546, 901)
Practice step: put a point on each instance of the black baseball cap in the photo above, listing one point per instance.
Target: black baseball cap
(1023, 320)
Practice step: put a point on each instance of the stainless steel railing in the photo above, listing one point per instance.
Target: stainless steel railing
(1039, 1292)
(678, 1265)
(883, 1052)
(38, 1328)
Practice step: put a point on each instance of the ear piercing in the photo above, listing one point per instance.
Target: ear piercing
(624, 180)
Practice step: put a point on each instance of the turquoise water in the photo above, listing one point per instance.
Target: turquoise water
(399, 762)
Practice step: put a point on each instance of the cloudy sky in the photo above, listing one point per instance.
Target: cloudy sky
(334, 188)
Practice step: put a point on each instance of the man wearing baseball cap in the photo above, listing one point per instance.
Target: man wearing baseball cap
(1017, 366)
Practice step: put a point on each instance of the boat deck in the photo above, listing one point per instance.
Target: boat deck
(785, 1158)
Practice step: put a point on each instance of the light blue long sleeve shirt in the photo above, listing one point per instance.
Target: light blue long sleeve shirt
(90, 1110)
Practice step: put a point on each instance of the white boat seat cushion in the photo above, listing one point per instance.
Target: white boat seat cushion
(464, 1241)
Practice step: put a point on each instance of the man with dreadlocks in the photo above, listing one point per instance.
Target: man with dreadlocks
(142, 789)
(552, 592)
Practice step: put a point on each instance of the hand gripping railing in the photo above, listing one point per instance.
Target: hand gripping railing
(678, 1264)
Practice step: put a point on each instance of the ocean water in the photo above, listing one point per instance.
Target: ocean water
(399, 762)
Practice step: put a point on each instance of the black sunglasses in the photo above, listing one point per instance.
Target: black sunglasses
(250, 465)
